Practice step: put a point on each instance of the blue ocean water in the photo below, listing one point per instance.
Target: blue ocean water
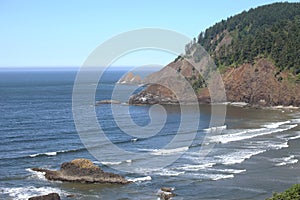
(256, 154)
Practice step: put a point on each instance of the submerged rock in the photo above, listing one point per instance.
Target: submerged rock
(51, 196)
(83, 171)
(165, 193)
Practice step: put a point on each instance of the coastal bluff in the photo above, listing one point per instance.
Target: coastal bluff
(256, 52)
(83, 171)
(258, 84)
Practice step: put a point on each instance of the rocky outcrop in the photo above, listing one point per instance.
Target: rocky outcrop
(51, 196)
(170, 85)
(130, 79)
(258, 84)
(109, 101)
(83, 171)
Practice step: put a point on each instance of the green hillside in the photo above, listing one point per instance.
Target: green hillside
(271, 31)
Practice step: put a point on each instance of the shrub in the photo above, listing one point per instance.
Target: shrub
(293, 193)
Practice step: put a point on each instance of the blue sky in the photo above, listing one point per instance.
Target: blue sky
(64, 33)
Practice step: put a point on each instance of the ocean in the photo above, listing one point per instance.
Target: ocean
(256, 152)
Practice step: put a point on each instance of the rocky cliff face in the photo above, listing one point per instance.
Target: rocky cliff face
(169, 85)
(267, 37)
(261, 84)
(257, 84)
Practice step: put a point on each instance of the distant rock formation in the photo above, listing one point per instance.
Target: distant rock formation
(51, 196)
(83, 171)
(107, 102)
(130, 79)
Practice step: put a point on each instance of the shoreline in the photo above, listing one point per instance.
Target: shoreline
(235, 104)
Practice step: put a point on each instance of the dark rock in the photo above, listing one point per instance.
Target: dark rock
(107, 102)
(51, 196)
(83, 171)
(71, 195)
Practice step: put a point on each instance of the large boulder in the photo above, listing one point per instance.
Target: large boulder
(83, 171)
(51, 196)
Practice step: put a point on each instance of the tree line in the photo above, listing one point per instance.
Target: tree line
(271, 31)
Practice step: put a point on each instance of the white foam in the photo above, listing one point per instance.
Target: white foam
(238, 156)
(285, 161)
(294, 137)
(239, 104)
(169, 151)
(216, 177)
(147, 150)
(134, 139)
(140, 179)
(42, 154)
(23, 193)
(279, 145)
(248, 134)
(111, 163)
(215, 128)
(232, 171)
(51, 153)
(196, 167)
(168, 172)
(35, 174)
(277, 124)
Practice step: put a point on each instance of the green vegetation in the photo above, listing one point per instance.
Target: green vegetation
(292, 193)
(271, 31)
(199, 83)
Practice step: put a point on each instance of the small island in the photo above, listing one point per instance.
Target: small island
(82, 171)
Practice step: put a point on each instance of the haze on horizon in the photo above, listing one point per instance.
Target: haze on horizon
(64, 33)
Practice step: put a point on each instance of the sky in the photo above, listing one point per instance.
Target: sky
(57, 33)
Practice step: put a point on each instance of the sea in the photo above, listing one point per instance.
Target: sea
(253, 154)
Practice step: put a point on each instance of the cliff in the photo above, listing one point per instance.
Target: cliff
(255, 52)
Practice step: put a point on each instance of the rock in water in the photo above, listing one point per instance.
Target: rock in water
(107, 102)
(83, 171)
(165, 193)
(166, 189)
(51, 196)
